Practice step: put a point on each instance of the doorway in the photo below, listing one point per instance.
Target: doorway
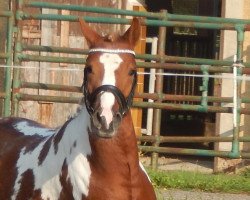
(186, 42)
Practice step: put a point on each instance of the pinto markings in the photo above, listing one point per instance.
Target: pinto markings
(47, 166)
(28, 129)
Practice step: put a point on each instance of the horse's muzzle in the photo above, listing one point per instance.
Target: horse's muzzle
(103, 129)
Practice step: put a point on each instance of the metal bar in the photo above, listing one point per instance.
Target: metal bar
(182, 151)
(6, 13)
(197, 152)
(27, 47)
(156, 129)
(174, 17)
(56, 59)
(192, 139)
(7, 72)
(64, 88)
(187, 67)
(153, 96)
(17, 62)
(187, 107)
(204, 88)
(92, 9)
(191, 18)
(110, 20)
(156, 105)
(57, 99)
(174, 59)
(195, 61)
(169, 97)
(237, 94)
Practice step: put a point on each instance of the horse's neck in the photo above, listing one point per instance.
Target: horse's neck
(120, 151)
(69, 147)
(75, 136)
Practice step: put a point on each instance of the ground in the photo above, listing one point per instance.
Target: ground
(199, 164)
(198, 195)
(204, 165)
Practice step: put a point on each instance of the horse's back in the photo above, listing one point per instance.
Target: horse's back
(18, 131)
(16, 134)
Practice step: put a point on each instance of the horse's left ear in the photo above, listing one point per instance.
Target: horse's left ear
(90, 35)
(133, 33)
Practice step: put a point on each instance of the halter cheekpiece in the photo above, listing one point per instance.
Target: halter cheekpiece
(124, 103)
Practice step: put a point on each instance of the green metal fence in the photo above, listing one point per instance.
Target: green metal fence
(7, 56)
(161, 20)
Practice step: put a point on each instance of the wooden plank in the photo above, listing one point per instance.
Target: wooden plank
(64, 39)
(140, 48)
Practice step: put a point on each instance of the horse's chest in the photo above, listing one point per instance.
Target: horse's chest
(105, 186)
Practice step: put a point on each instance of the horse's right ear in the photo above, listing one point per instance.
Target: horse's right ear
(90, 35)
(132, 35)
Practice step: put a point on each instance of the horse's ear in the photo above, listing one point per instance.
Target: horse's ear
(133, 33)
(90, 35)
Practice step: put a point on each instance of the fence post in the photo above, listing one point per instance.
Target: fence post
(17, 61)
(158, 89)
(235, 152)
(7, 75)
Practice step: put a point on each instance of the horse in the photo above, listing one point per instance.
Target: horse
(94, 154)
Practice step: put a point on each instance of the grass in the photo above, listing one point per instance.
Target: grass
(204, 182)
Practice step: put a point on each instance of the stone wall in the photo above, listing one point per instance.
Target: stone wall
(224, 123)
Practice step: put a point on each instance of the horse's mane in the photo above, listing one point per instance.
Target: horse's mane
(111, 37)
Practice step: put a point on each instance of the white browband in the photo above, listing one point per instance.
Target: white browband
(112, 51)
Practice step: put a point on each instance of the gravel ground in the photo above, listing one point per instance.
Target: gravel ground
(187, 164)
(197, 195)
(204, 165)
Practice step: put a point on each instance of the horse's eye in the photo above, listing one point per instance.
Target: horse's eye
(132, 72)
(88, 69)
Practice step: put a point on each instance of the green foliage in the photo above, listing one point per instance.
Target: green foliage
(246, 173)
(204, 182)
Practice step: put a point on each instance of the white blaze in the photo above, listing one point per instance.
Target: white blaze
(111, 63)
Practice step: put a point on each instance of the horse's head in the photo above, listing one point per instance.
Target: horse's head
(109, 77)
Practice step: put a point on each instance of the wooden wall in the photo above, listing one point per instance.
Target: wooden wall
(53, 33)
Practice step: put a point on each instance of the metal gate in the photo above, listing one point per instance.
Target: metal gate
(203, 69)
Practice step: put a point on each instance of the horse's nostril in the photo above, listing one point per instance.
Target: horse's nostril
(117, 120)
(98, 116)
(101, 120)
(119, 116)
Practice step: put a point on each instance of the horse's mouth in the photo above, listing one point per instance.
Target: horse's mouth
(102, 131)
(105, 134)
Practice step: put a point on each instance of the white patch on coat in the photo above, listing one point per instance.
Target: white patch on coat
(27, 129)
(143, 169)
(47, 175)
(111, 63)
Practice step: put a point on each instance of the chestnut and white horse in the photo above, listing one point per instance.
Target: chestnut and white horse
(94, 154)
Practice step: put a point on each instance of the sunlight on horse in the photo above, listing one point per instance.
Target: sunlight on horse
(93, 155)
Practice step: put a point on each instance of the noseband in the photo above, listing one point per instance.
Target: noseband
(124, 103)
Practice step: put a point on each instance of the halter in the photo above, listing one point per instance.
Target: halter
(124, 103)
(112, 51)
